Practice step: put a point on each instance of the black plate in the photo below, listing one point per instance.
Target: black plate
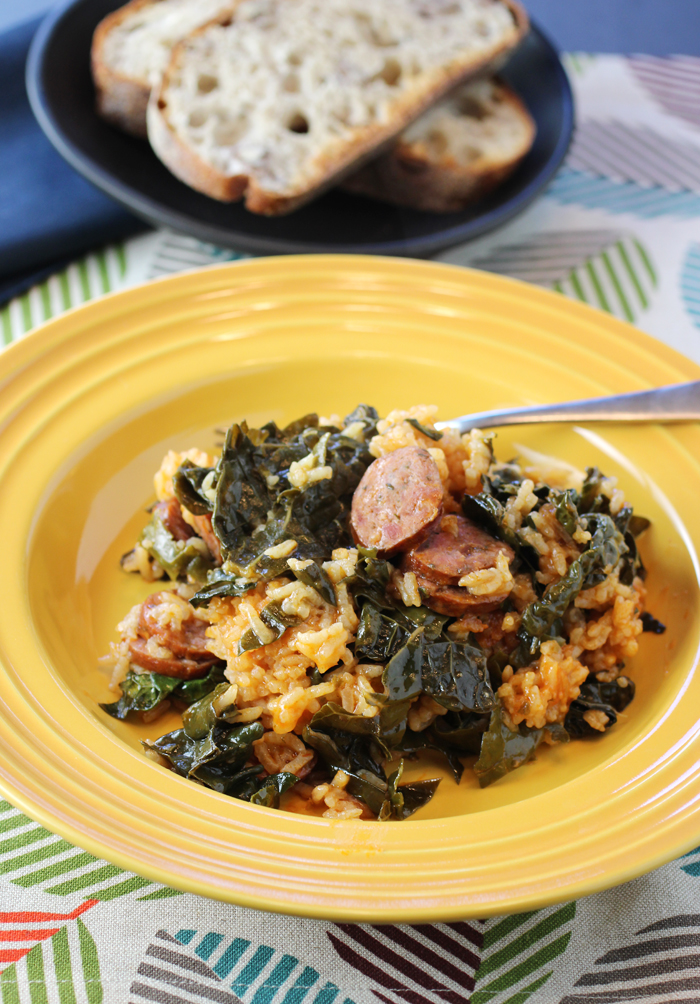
(62, 97)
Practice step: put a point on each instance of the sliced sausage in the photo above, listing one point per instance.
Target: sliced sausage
(307, 768)
(169, 511)
(189, 641)
(185, 669)
(202, 526)
(456, 548)
(397, 502)
(454, 601)
(171, 514)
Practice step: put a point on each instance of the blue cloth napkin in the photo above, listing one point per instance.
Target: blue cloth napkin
(48, 213)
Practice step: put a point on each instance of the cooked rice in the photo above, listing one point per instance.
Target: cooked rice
(163, 479)
(541, 694)
(490, 581)
(273, 683)
(341, 805)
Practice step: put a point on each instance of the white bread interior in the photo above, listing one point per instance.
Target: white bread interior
(132, 47)
(275, 105)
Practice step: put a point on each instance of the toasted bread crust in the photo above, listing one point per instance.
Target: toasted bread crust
(190, 168)
(121, 100)
(341, 159)
(407, 176)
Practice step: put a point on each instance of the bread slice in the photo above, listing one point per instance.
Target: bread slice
(277, 104)
(131, 48)
(454, 154)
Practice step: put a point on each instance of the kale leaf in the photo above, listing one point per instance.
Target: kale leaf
(402, 801)
(276, 620)
(458, 731)
(377, 635)
(414, 743)
(385, 623)
(178, 558)
(591, 497)
(257, 507)
(357, 746)
(212, 750)
(424, 430)
(144, 691)
(217, 760)
(503, 750)
(650, 623)
(452, 673)
(369, 417)
(201, 717)
(220, 583)
(610, 698)
(187, 485)
(631, 526)
(272, 788)
(565, 508)
(316, 577)
(543, 619)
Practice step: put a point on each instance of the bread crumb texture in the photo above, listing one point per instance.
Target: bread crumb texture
(139, 46)
(479, 123)
(282, 89)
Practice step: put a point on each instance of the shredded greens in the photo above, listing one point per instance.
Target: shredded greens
(356, 746)
(257, 507)
(214, 751)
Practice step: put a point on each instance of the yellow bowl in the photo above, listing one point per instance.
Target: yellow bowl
(92, 401)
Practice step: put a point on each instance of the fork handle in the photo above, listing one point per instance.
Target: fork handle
(674, 403)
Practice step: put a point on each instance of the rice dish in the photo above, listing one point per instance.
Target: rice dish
(333, 598)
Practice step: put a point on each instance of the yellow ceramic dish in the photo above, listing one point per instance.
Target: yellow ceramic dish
(90, 403)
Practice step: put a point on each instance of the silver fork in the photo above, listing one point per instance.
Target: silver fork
(678, 402)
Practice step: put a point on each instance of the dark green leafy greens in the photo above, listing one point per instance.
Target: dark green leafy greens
(187, 485)
(405, 799)
(356, 746)
(276, 620)
(650, 623)
(201, 717)
(420, 656)
(631, 526)
(543, 619)
(272, 788)
(215, 752)
(460, 732)
(566, 511)
(144, 691)
(452, 673)
(610, 698)
(591, 497)
(257, 507)
(178, 558)
(216, 760)
(503, 750)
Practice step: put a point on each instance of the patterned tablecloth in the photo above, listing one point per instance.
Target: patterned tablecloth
(620, 229)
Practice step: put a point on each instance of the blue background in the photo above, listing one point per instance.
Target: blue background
(660, 27)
